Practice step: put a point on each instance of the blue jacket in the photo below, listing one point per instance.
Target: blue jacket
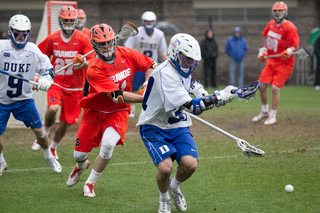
(236, 47)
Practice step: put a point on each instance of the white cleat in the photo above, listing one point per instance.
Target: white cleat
(74, 176)
(164, 206)
(55, 165)
(88, 190)
(317, 88)
(132, 115)
(35, 146)
(271, 120)
(3, 166)
(260, 116)
(54, 153)
(178, 199)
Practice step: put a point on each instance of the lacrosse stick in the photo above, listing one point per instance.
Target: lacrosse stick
(128, 29)
(247, 149)
(302, 51)
(19, 77)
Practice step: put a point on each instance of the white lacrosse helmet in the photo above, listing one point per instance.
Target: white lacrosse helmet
(148, 16)
(20, 23)
(189, 46)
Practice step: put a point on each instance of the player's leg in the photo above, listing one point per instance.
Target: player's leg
(5, 111)
(206, 68)
(241, 73)
(213, 73)
(58, 135)
(232, 67)
(137, 81)
(3, 163)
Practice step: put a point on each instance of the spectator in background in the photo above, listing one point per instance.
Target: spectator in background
(236, 48)
(209, 52)
(317, 53)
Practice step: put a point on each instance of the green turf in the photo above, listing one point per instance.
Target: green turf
(225, 180)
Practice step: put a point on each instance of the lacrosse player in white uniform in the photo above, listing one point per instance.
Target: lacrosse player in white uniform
(164, 126)
(150, 41)
(23, 58)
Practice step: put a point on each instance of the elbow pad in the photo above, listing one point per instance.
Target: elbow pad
(197, 105)
(116, 96)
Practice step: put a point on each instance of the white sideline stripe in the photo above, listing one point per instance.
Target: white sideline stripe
(145, 162)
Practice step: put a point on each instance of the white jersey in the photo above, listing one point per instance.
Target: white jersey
(167, 91)
(23, 62)
(148, 45)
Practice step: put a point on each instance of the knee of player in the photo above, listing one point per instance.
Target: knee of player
(40, 134)
(189, 165)
(106, 151)
(165, 169)
(80, 156)
(53, 109)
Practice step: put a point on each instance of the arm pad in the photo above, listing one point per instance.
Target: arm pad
(197, 105)
(116, 96)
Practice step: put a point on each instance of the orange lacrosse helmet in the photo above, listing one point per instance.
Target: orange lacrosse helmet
(103, 41)
(280, 5)
(82, 19)
(68, 19)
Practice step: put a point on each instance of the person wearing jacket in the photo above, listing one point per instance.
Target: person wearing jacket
(236, 49)
(209, 53)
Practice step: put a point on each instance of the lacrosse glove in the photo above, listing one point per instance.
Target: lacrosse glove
(225, 96)
(263, 52)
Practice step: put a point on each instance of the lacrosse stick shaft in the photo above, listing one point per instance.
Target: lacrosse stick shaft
(71, 63)
(294, 53)
(19, 77)
(212, 126)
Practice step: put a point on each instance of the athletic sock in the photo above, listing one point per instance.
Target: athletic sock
(175, 184)
(265, 108)
(47, 129)
(1, 157)
(273, 113)
(47, 154)
(93, 177)
(164, 196)
(133, 108)
(81, 165)
(54, 144)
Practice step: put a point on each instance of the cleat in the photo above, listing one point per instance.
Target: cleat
(132, 115)
(54, 153)
(3, 166)
(164, 206)
(271, 120)
(260, 116)
(317, 88)
(88, 190)
(178, 199)
(74, 176)
(55, 165)
(35, 146)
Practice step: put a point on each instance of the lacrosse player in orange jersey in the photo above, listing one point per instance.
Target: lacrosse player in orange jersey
(82, 20)
(107, 106)
(282, 38)
(63, 47)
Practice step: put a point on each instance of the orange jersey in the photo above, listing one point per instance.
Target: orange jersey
(62, 53)
(279, 38)
(105, 78)
(86, 31)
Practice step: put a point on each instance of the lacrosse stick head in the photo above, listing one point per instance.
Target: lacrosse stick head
(248, 92)
(249, 150)
(128, 29)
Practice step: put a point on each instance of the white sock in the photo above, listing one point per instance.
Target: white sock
(47, 154)
(273, 113)
(54, 145)
(164, 196)
(265, 108)
(47, 129)
(1, 157)
(133, 108)
(93, 177)
(175, 184)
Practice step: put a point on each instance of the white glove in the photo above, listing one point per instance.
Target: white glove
(263, 52)
(45, 82)
(225, 96)
(197, 90)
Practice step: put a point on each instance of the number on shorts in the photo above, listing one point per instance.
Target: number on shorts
(164, 149)
(14, 83)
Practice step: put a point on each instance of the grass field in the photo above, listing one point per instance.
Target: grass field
(225, 181)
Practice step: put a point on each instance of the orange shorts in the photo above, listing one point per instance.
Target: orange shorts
(275, 73)
(69, 102)
(93, 124)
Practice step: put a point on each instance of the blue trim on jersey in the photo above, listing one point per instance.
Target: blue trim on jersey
(164, 143)
(25, 111)
(138, 80)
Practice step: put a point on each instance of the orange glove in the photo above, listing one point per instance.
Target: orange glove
(144, 87)
(263, 52)
(286, 53)
(78, 62)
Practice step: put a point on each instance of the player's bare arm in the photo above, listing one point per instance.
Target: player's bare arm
(121, 97)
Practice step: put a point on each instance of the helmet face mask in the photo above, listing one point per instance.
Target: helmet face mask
(106, 49)
(185, 65)
(82, 19)
(68, 19)
(19, 30)
(149, 20)
(279, 11)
